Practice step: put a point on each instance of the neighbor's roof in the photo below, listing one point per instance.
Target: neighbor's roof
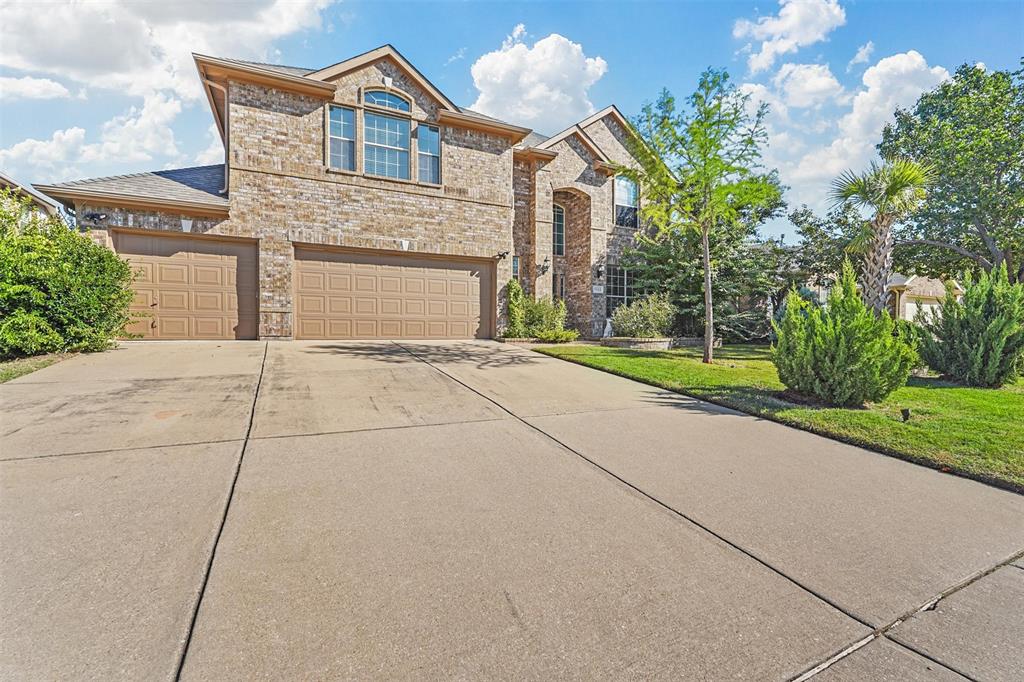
(48, 205)
(198, 188)
(916, 285)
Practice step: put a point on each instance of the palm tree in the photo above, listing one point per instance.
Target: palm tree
(893, 191)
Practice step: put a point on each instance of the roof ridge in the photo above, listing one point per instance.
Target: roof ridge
(121, 176)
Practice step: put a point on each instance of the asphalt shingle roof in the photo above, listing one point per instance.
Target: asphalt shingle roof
(198, 184)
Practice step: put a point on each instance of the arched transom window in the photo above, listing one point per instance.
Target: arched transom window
(388, 100)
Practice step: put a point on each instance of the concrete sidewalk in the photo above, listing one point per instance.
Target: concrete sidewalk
(353, 510)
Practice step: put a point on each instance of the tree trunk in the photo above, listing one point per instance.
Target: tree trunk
(878, 264)
(709, 322)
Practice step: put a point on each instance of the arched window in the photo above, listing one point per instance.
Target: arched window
(558, 230)
(388, 100)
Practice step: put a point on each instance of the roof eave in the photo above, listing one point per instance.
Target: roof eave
(68, 195)
(461, 120)
(214, 67)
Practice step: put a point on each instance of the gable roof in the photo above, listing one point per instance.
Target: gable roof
(197, 189)
(384, 51)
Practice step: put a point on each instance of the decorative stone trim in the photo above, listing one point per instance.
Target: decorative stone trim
(694, 341)
(636, 342)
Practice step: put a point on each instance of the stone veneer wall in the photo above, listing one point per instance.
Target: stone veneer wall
(576, 263)
(281, 193)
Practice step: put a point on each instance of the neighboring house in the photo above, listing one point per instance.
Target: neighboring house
(357, 201)
(914, 293)
(39, 201)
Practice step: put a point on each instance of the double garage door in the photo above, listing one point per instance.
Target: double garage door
(368, 295)
(191, 287)
(207, 288)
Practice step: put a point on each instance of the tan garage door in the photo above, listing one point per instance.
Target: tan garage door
(192, 287)
(365, 295)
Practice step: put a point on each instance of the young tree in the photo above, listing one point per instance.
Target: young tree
(699, 169)
(893, 191)
(969, 128)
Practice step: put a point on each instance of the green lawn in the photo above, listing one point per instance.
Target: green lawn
(972, 431)
(12, 369)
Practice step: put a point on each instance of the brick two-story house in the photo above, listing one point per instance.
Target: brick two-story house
(358, 201)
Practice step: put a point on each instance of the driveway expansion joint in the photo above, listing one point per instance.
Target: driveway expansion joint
(110, 451)
(223, 520)
(930, 605)
(651, 497)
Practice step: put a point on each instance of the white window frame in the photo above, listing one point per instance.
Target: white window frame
(627, 296)
(554, 244)
(636, 207)
(420, 153)
(351, 140)
(388, 93)
(367, 143)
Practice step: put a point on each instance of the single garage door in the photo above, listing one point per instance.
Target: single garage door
(192, 287)
(370, 295)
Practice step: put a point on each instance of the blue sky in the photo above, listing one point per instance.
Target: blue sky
(106, 87)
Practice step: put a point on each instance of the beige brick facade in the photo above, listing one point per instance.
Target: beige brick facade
(491, 199)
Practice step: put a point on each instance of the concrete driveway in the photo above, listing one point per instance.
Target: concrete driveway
(324, 510)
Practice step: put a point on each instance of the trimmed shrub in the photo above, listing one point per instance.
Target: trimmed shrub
(543, 319)
(978, 341)
(647, 317)
(558, 335)
(516, 310)
(51, 274)
(842, 354)
(544, 316)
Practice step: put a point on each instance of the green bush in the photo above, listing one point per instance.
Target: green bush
(644, 318)
(978, 341)
(516, 310)
(23, 333)
(842, 354)
(544, 316)
(558, 335)
(54, 281)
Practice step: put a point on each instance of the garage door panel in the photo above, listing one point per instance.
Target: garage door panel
(171, 274)
(376, 295)
(314, 305)
(191, 287)
(172, 300)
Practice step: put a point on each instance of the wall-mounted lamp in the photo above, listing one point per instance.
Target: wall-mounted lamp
(546, 265)
(186, 224)
(503, 255)
(95, 217)
(600, 271)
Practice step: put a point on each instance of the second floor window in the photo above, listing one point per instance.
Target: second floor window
(626, 202)
(342, 139)
(386, 146)
(428, 148)
(386, 99)
(558, 230)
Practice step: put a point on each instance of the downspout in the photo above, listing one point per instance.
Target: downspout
(224, 128)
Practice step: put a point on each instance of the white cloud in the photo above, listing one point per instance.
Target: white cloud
(55, 156)
(12, 89)
(806, 85)
(544, 86)
(137, 135)
(141, 47)
(863, 55)
(799, 23)
(214, 152)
